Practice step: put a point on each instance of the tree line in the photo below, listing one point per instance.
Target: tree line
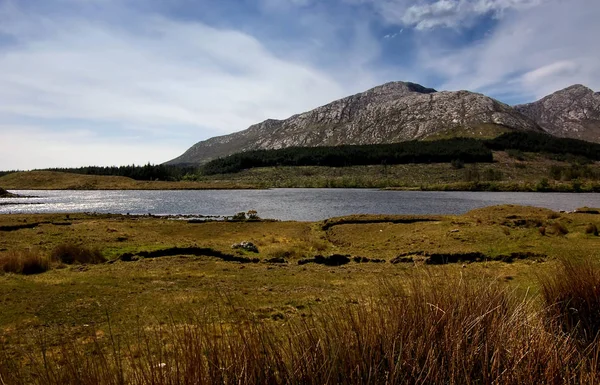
(439, 151)
(544, 143)
(145, 172)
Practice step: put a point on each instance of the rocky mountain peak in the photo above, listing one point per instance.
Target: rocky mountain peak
(573, 112)
(389, 113)
(398, 88)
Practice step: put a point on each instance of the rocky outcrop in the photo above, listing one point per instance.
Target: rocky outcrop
(393, 112)
(573, 112)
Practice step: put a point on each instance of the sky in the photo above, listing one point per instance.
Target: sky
(115, 82)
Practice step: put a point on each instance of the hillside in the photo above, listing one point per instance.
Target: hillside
(390, 113)
(51, 180)
(573, 112)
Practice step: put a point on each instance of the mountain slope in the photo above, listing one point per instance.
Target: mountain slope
(389, 113)
(573, 112)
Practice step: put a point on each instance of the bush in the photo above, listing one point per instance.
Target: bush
(591, 229)
(558, 228)
(69, 254)
(24, 262)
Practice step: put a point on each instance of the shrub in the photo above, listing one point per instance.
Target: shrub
(24, 262)
(241, 216)
(542, 185)
(591, 229)
(572, 297)
(558, 228)
(69, 253)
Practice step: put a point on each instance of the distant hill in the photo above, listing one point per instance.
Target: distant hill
(390, 113)
(573, 112)
(52, 180)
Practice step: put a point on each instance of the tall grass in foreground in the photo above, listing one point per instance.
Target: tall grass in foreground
(24, 262)
(29, 262)
(442, 330)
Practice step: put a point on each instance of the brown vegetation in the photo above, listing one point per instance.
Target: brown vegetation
(69, 254)
(24, 262)
(438, 330)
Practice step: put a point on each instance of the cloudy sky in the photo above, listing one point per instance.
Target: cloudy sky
(112, 82)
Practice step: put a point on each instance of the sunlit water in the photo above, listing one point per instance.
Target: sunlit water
(284, 204)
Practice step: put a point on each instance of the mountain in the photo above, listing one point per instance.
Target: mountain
(392, 112)
(573, 112)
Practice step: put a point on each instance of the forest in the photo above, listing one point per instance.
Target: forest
(440, 151)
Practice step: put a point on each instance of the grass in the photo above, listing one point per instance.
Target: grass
(211, 320)
(69, 254)
(572, 297)
(24, 262)
(440, 329)
(52, 180)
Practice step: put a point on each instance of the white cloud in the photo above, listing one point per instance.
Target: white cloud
(155, 75)
(551, 71)
(174, 73)
(533, 53)
(445, 13)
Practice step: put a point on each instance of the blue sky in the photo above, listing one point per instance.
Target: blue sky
(111, 82)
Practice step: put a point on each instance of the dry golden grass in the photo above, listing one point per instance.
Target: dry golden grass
(51, 180)
(430, 329)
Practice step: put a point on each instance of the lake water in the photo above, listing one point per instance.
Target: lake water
(284, 204)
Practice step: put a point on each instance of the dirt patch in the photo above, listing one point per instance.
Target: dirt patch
(275, 260)
(332, 260)
(19, 227)
(365, 219)
(31, 225)
(471, 257)
(587, 210)
(195, 251)
(517, 221)
(367, 260)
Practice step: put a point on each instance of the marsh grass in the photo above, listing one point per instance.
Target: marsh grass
(25, 262)
(441, 329)
(572, 296)
(70, 253)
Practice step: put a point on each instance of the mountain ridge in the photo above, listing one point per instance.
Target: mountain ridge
(389, 113)
(573, 112)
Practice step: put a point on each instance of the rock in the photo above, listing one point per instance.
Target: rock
(573, 112)
(392, 112)
(248, 246)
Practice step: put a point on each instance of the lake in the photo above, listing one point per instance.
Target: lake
(284, 204)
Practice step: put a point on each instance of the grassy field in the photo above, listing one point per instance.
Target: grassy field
(517, 172)
(169, 287)
(52, 180)
(524, 172)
